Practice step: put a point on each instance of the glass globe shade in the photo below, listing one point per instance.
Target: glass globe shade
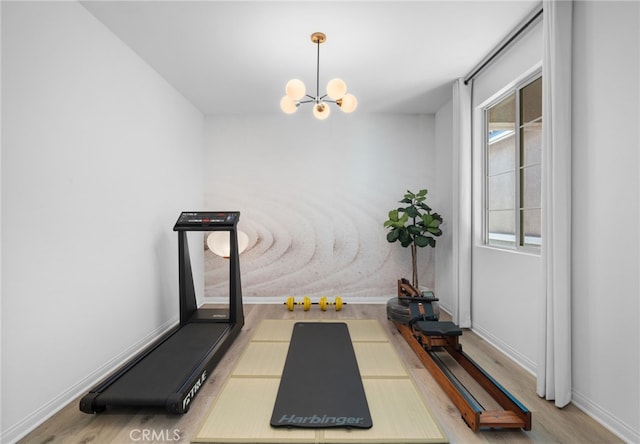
(336, 89)
(219, 243)
(295, 89)
(243, 241)
(321, 111)
(288, 106)
(349, 103)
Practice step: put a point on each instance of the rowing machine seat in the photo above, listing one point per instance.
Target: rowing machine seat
(437, 328)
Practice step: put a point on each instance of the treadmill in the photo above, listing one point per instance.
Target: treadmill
(170, 372)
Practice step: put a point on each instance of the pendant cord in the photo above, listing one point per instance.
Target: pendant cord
(318, 73)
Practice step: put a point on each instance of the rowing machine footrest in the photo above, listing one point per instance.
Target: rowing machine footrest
(437, 328)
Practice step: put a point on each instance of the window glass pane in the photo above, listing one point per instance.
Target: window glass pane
(502, 155)
(530, 186)
(531, 101)
(530, 225)
(502, 228)
(501, 192)
(531, 140)
(502, 115)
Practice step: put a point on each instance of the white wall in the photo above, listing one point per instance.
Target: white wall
(314, 196)
(99, 156)
(506, 285)
(606, 101)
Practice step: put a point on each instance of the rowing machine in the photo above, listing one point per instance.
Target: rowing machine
(419, 326)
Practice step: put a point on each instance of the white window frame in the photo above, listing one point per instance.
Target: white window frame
(518, 166)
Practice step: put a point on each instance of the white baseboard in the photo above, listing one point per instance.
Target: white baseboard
(610, 422)
(248, 300)
(506, 349)
(37, 417)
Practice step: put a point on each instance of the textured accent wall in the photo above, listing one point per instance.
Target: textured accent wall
(313, 197)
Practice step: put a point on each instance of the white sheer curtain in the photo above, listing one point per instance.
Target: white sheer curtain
(462, 201)
(554, 357)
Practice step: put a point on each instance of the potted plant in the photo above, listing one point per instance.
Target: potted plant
(414, 226)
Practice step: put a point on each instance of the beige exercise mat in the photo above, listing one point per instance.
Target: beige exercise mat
(242, 411)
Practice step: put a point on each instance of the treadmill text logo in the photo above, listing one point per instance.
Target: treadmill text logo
(194, 390)
(324, 419)
(137, 435)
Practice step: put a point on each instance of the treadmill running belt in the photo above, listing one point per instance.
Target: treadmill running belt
(162, 372)
(321, 385)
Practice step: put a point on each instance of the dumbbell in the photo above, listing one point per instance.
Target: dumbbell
(324, 303)
(291, 303)
(306, 303)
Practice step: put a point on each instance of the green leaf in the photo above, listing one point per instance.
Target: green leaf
(412, 211)
(392, 235)
(414, 230)
(406, 200)
(435, 231)
(425, 207)
(422, 193)
(394, 223)
(421, 241)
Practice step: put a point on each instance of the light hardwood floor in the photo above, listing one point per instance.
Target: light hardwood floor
(550, 424)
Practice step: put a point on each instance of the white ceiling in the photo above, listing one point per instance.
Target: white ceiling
(231, 57)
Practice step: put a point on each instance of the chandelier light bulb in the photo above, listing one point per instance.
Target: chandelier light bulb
(321, 110)
(288, 106)
(295, 89)
(336, 89)
(348, 103)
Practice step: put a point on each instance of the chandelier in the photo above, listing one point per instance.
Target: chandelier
(336, 92)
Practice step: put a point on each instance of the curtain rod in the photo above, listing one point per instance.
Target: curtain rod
(506, 42)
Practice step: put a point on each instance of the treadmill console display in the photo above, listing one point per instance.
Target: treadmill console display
(191, 220)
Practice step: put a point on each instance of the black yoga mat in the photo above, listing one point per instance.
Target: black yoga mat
(321, 385)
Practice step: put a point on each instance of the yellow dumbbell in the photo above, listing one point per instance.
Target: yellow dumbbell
(324, 303)
(291, 303)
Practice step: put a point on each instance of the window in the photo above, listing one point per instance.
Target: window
(513, 148)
